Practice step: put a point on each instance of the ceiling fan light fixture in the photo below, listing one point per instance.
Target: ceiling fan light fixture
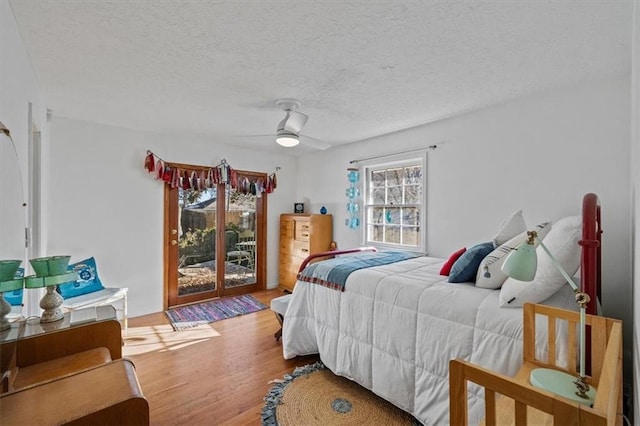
(287, 140)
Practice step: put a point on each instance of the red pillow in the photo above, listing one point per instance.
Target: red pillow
(446, 268)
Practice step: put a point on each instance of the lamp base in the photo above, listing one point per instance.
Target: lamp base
(5, 308)
(51, 303)
(561, 384)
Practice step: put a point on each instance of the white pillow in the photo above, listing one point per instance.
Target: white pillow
(489, 273)
(562, 242)
(511, 227)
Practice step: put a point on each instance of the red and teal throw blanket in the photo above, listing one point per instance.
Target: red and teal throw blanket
(333, 273)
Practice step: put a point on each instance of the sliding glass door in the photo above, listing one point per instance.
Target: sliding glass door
(214, 240)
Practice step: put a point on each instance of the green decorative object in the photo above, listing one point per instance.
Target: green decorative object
(58, 264)
(521, 264)
(52, 265)
(11, 285)
(5, 307)
(37, 282)
(40, 266)
(50, 271)
(8, 269)
(8, 282)
(562, 384)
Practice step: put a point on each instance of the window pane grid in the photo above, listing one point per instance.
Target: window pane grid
(394, 198)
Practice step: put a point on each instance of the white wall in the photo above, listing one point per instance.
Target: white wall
(104, 204)
(541, 153)
(18, 88)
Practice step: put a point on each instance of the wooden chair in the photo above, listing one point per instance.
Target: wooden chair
(69, 374)
(522, 404)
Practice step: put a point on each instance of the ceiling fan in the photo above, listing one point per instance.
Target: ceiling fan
(288, 130)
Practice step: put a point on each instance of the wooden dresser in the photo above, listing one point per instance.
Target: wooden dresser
(300, 236)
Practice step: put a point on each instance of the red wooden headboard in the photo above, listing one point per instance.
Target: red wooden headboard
(591, 242)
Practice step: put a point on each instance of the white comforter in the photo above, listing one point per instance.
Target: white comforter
(395, 328)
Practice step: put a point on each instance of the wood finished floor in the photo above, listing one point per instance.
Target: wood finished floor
(216, 374)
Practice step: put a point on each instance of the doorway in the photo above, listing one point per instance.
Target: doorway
(214, 239)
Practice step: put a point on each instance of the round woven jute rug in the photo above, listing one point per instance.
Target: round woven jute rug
(313, 395)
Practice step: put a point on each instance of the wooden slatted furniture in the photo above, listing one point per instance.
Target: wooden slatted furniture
(63, 373)
(104, 395)
(34, 352)
(300, 236)
(522, 404)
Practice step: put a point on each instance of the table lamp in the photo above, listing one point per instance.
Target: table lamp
(8, 282)
(521, 264)
(50, 271)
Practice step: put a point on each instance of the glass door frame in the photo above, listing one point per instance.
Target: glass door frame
(170, 256)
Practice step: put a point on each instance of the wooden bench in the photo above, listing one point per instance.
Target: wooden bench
(520, 403)
(106, 296)
(279, 307)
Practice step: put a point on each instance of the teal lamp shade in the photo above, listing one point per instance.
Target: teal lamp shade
(51, 280)
(51, 265)
(521, 263)
(8, 269)
(11, 285)
(8, 282)
(9, 279)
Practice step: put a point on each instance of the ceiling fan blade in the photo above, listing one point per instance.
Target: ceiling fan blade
(314, 143)
(293, 122)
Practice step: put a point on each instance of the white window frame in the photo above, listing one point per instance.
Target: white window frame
(406, 160)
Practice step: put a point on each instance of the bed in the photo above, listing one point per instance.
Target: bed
(394, 328)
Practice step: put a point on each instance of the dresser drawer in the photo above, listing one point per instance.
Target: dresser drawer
(290, 264)
(302, 230)
(300, 249)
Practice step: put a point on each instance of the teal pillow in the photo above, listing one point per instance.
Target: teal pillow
(88, 280)
(14, 297)
(465, 268)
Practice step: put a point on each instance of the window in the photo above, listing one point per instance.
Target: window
(394, 208)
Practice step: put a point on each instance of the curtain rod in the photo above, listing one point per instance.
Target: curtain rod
(432, 147)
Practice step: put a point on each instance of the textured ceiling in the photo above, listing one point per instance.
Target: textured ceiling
(360, 68)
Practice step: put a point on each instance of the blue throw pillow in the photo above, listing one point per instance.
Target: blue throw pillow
(14, 297)
(88, 280)
(465, 268)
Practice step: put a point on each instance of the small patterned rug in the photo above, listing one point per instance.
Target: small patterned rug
(185, 317)
(313, 395)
